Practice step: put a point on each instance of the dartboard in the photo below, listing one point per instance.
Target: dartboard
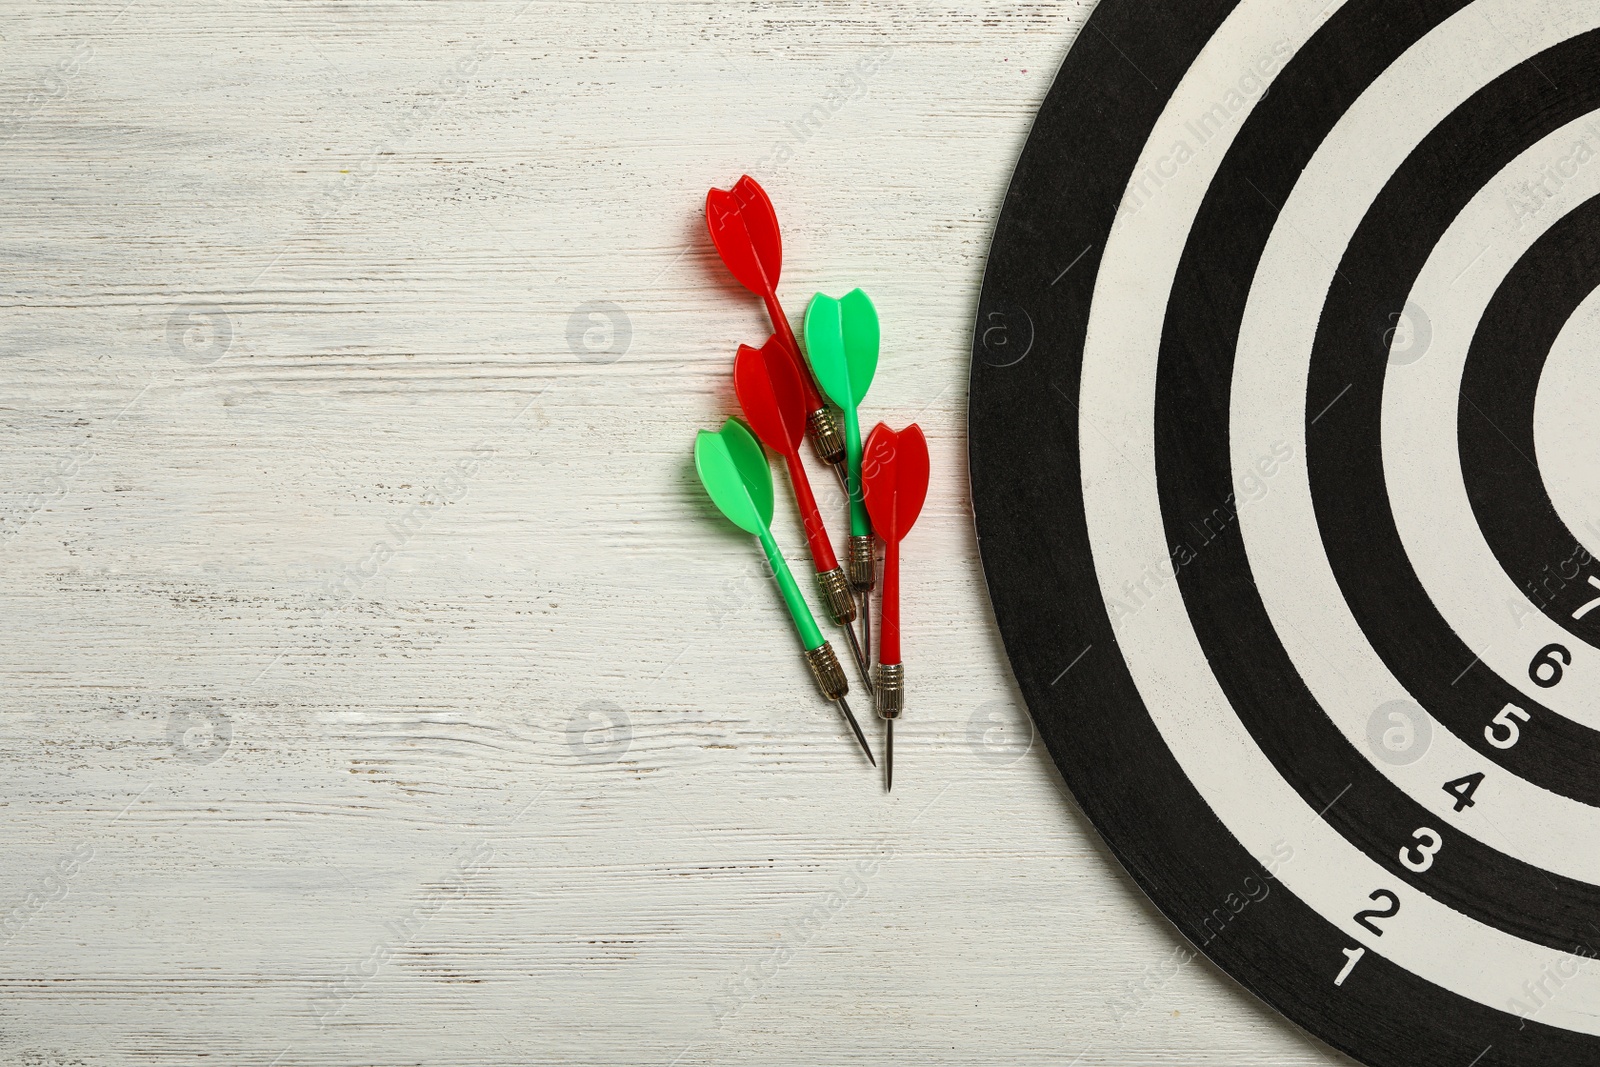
(1284, 424)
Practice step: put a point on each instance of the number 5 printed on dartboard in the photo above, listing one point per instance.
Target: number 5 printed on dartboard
(1504, 720)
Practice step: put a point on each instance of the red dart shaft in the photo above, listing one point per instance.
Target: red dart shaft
(889, 634)
(816, 533)
(780, 323)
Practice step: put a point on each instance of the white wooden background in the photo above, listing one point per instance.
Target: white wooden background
(378, 688)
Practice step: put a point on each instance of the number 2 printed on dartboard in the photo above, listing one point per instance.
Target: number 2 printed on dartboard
(1365, 918)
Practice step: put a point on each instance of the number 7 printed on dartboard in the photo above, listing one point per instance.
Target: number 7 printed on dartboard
(1591, 605)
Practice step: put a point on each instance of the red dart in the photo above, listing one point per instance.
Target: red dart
(774, 402)
(744, 228)
(894, 478)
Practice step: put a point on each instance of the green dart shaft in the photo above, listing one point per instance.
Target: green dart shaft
(860, 522)
(732, 466)
(799, 610)
(819, 656)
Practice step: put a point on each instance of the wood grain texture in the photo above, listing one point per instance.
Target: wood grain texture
(379, 688)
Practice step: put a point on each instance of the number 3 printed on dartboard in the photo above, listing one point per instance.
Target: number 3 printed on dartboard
(1419, 856)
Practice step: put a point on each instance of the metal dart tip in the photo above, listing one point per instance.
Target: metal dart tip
(860, 657)
(844, 706)
(866, 621)
(888, 756)
(844, 479)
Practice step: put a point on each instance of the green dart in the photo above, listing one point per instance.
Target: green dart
(842, 344)
(733, 467)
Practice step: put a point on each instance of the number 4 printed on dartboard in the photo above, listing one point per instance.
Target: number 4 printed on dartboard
(1463, 788)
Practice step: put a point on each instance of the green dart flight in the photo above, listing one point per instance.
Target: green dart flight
(842, 344)
(733, 467)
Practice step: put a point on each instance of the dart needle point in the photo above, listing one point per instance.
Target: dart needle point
(866, 621)
(888, 756)
(856, 727)
(860, 657)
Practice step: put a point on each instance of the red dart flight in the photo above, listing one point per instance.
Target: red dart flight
(744, 229)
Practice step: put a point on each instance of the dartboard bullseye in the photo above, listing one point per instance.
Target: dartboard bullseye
(1279, 531)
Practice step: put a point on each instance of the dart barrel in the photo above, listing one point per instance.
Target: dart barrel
(826, 437)
(826, 670)
(835, 588)
(863, 563)
(889, 690)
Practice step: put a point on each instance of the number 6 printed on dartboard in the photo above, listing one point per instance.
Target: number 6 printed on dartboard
(1549, 665)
